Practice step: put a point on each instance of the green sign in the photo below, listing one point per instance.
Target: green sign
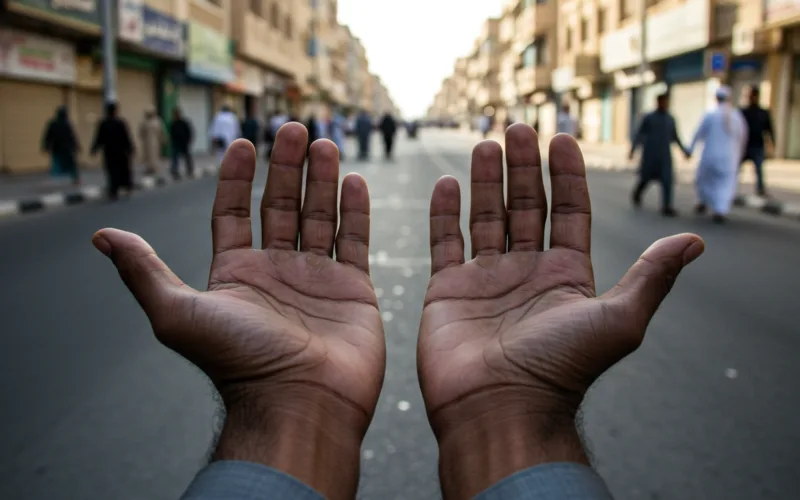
(209, 54)
(86, 11)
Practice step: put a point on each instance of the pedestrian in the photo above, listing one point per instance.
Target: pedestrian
(250, 129)
(484, 125)
(61, 143)
(274, 122)
(114, 138)
(759, 124)
(364, 133)
(224, 130)
(388, 128)
(338, 125)
(181, 137)
(656, 134)
(313, 128)
(724, 134)
(153, 138)
(565, 123)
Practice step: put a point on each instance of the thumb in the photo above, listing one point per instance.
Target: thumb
(638, 295)
(150, 281)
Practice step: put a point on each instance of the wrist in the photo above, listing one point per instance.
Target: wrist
(305, 432)
(491, 436)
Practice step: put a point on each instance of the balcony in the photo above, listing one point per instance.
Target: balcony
(259, 40)
(530, 80)
(535, 20)
(587, 66)
(209, 14)
(487, 95)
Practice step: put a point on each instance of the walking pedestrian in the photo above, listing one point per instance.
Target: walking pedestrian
(153, 137)
(484, 125)
(565, 123)
(224, 130)
(338, 124)
(312, 125)
(274, 122)
(61, 143)
(250, 129)
(724, 134)
(364, 133)
(181, 137)
(655, 136)
(388, 130)
(114, 138)
(759, 124)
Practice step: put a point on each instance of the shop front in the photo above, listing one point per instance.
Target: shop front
(244, 92)
(690, 98)
(35, 74)
(582, 86)
(784, 74)
(209, 65)
(275, 87)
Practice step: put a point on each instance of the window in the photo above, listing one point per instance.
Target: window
(568, 40)
(584, 30)
(275, 16)
(257, 7)
(529, 57)
(624, 8)
(542, 59)
(601, 20)
(527, 3)
(288, 26)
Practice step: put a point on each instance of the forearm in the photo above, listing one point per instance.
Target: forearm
(315, 441)
(517, 433)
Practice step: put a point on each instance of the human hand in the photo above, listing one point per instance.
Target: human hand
(292, 340)
(510, 341)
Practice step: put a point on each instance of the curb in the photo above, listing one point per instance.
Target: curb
(765, 205)
(86, 194)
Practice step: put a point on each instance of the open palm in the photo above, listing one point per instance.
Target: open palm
(518, 326)
(291, 324)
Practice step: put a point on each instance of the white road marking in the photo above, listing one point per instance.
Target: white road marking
(403, 405)
(731, 373)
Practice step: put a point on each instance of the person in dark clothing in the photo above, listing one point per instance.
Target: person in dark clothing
(364, 133)
(181, 137)
(61, 143)
(269, 134)
(759, 124)
(656, 134)
(114, 138)
(388, 128)
(313, 131)
(250, 129)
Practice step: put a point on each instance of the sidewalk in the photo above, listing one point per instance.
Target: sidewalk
(782, 176)
(27, 193)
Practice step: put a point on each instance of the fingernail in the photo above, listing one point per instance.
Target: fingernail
(103, 245)
(693, 252)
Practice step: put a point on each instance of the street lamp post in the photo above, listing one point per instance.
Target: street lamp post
(109, 53)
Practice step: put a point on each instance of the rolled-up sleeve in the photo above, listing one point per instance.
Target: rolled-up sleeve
(556, 481)
(232, 480)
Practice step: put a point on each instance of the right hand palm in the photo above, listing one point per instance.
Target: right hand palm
(520, 323)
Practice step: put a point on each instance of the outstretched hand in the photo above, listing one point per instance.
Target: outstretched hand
(291, 337)
(511, 340)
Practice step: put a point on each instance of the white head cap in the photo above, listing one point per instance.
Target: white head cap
(723, 93)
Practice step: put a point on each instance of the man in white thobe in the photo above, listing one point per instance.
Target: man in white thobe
(723, 132)
(224, 130)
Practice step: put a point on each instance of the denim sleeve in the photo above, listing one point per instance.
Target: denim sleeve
(233, 480)
(556, 481)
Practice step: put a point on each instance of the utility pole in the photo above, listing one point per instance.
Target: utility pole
(109, 53)
(643, 66)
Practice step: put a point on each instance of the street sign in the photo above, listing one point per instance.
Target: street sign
(717, 62)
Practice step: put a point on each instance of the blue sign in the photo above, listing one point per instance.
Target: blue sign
(162, 33)
(718, 62)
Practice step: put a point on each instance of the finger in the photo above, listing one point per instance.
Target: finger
(352, 242)
(230, 217)
(447, 241)
(571, 218)
(527, 201)
(147, 277)
(637, 296)
(280, 206)
(487, 217)
(319, 218)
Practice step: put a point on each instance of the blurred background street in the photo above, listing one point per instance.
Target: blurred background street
(94, 408)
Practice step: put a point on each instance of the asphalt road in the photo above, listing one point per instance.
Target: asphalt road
(94, 408)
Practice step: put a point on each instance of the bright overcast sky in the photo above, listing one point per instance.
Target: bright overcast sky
(412, 44)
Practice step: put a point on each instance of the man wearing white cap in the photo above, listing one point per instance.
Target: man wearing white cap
(723, 132)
